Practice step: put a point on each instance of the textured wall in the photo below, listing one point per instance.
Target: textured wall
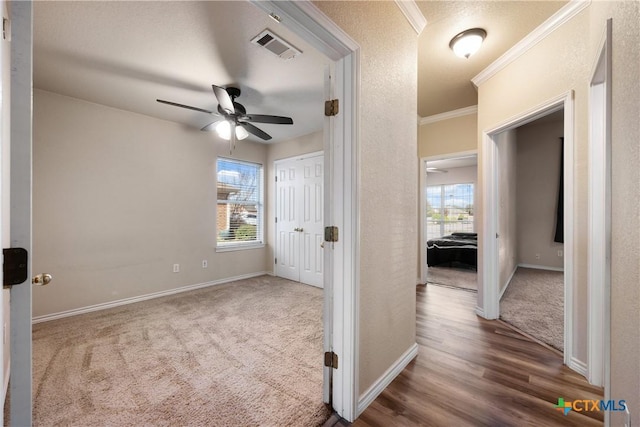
(119, 198)
(507, 214)
(448, 136)
(625, 252)
(551, 68)
(538, 157)
(388, 176)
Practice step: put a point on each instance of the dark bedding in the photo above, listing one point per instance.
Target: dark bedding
(453, 249)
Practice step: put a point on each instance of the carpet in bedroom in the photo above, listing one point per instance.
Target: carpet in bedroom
(456, 277)
(534, 303)
(242, 354)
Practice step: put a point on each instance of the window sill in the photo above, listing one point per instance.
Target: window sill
(239, 247)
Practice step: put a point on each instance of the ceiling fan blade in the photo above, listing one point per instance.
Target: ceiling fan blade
(223, 99)
(175, 104)
(211, 126)
(262, 118)
(254, 130)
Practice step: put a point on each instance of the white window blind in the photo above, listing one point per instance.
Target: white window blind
(240, 203)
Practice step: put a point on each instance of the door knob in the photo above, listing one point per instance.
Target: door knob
(42, 279)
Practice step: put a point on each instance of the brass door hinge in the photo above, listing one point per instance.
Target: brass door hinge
(331, 360)
(331, 107)
(331, 234)
(6, 29)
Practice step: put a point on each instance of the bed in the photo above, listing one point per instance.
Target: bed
(453, 250)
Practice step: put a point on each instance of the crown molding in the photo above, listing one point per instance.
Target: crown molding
(413, 14)
(556, 20)
(466, 111)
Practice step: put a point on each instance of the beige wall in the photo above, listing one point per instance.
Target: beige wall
(119, 198)
(448, 136)
(625, 252)
(388, 174)
(310, 143)
(538, 173)
(557, 64)
(507, 214)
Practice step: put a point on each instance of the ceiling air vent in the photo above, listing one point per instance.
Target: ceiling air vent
(276, 45)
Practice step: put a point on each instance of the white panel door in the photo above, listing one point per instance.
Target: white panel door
(311, 224)
(287, 235)
(299, 216)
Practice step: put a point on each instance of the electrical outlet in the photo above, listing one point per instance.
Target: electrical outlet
(204, 263)
(176, 268)
(537, 256)
(560, 253)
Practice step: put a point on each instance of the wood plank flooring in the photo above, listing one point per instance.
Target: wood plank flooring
(475, 372)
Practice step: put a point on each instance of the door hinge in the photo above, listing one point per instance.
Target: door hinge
(6, 29)
(276, 220)
(275, 261)
(331, 234)
(276, 178)
(14, 266)
(331, 360)
(331, 107)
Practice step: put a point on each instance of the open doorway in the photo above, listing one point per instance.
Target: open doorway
(531, 229)
(449, 240)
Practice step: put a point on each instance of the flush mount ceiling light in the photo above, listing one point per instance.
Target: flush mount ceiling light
(467, 42)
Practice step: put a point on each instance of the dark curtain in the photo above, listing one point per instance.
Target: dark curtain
(559, 237)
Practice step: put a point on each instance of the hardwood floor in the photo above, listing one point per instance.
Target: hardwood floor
(474, 372)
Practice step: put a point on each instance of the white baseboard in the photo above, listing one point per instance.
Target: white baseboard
(125, 301)
(7, 374)
(578, 366)
(506, 285)
(480, 312)
(541, 267)
(390, 374)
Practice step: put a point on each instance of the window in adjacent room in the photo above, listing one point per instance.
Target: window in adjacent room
(239, 207)
(449, 209)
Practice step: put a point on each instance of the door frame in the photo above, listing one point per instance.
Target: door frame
(341, 146)
(276, 163)
(489, 288)
(599, 252)
(424, 182)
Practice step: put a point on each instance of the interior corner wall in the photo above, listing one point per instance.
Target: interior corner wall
(507, 209)
(118, 198)
(305, 144)
(388, 182)
(625, 203)
(448, 136)
(538, 174)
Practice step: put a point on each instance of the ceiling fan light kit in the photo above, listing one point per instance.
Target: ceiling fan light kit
(467, 42)
(234, 123)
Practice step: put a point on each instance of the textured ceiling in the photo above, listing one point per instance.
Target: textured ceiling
(126, 54)
(444, 80)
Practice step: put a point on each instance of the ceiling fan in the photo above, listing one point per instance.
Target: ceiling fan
(234, 122)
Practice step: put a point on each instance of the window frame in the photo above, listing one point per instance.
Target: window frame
(442, 207)
(228, 246)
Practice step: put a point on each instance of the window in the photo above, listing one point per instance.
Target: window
(449, 209)
(239, 207)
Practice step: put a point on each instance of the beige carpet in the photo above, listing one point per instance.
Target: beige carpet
(456, 277)
(534, 303)
(247, 353)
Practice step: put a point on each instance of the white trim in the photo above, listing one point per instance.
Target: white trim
(506, 284)
(341, 150)
(571, 9)
(578, 366)
(385, 379)
(299, 157)
(489, 244)
(480, 312)
(599, 223)
(541, 267)
(460, 112)
(133, 300)
(413, 14)
(7, 374)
